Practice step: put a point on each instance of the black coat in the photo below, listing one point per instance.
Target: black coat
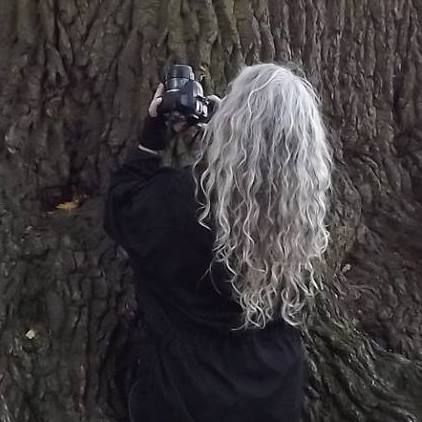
(195, 368)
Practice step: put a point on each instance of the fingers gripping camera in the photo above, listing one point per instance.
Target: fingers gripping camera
(184, 95)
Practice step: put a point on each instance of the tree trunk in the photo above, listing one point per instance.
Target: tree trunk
(75, 79)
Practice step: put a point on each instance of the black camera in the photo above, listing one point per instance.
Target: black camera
(185, 95)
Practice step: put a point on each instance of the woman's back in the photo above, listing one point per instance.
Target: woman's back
(194, 366)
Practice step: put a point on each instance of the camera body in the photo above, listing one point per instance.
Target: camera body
(185, 95)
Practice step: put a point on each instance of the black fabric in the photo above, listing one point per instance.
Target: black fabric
(154, 133)
(195, 367)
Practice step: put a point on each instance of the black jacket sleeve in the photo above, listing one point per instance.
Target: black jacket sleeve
(137, 200)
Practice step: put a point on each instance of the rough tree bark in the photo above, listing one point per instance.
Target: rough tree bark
(75, 78)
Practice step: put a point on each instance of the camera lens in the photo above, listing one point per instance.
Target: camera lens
(178, 75)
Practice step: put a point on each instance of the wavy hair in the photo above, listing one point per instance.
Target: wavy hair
(266, 176)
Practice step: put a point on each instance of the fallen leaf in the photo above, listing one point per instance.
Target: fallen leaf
(68, 206)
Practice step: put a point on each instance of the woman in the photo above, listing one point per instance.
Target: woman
(223, 252)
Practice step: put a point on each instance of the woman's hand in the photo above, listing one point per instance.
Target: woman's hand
(156, 101)
(215, 102)
(215, 99)
(177, 121)
(154, 134)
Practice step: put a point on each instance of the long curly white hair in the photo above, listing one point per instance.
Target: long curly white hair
(265, 180)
